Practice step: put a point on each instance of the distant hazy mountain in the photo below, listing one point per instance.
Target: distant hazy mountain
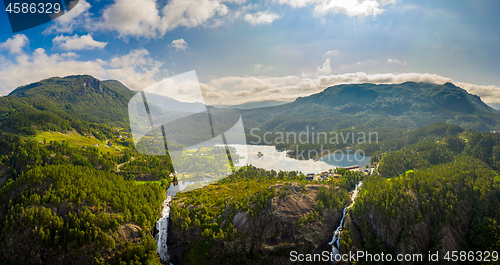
(255, 104)
(494, 105)
(168, 103)
(369, 106)
(90, 99)
(366, 106)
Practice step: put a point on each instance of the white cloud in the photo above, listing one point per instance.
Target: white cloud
(15, 44)
(32, 68)
(261, 18)
(325, 68)
(78, 17)
(135, 58)
(190, 13)
(131, 17)
(351, 8)
(250, 88)
(236, 1)
(332, 53)
(70, 55)
(261, 67)
(179, 45)
(81, 7)
(136, 70)
(488, 94)
(396, 61)
(85, 42)
(211, 92)
(146, 18)
(149, 19)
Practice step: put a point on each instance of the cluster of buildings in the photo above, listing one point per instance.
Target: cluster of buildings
(366, 171)
(328, 175)
(322, 176)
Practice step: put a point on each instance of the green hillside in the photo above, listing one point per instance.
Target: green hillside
(370, 106)
(62, 214)
(67, 197)
(67, 202)
(435, 196)
(83, 97)
(440, 193)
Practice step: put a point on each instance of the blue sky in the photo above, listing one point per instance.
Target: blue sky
(254, 50)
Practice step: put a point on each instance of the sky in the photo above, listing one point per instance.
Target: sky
(246, 50)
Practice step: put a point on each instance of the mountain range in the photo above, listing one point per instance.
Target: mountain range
(254, 104)
(364, 106)
(77, 200)
(370, 106)
(82, 96)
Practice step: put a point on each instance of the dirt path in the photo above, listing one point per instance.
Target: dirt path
(121, 165)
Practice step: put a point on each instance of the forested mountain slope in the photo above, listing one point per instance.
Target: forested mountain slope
(83, 97)
(371, 106)
(63, 203)
(365, 106)
(78, 197)
(437, 194)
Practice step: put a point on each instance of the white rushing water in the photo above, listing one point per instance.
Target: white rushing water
(271, 159)
(335, 243)
(162, 226)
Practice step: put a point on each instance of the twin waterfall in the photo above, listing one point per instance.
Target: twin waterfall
(162, 226)
(335, 243)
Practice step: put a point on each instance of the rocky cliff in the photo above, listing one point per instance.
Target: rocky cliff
(281, 227)
(377, 232)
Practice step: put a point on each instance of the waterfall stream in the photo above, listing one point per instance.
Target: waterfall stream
(335, 243)
(162, 226)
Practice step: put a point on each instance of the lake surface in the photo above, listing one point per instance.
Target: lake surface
(272, 159)
(190, 184)
(261, 156)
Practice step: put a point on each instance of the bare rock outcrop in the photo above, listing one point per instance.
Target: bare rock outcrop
(277, 227)
(130, 232)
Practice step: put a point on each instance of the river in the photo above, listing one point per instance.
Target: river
(335, 243)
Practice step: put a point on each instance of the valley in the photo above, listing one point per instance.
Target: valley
(246, 132)
(75, 190)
